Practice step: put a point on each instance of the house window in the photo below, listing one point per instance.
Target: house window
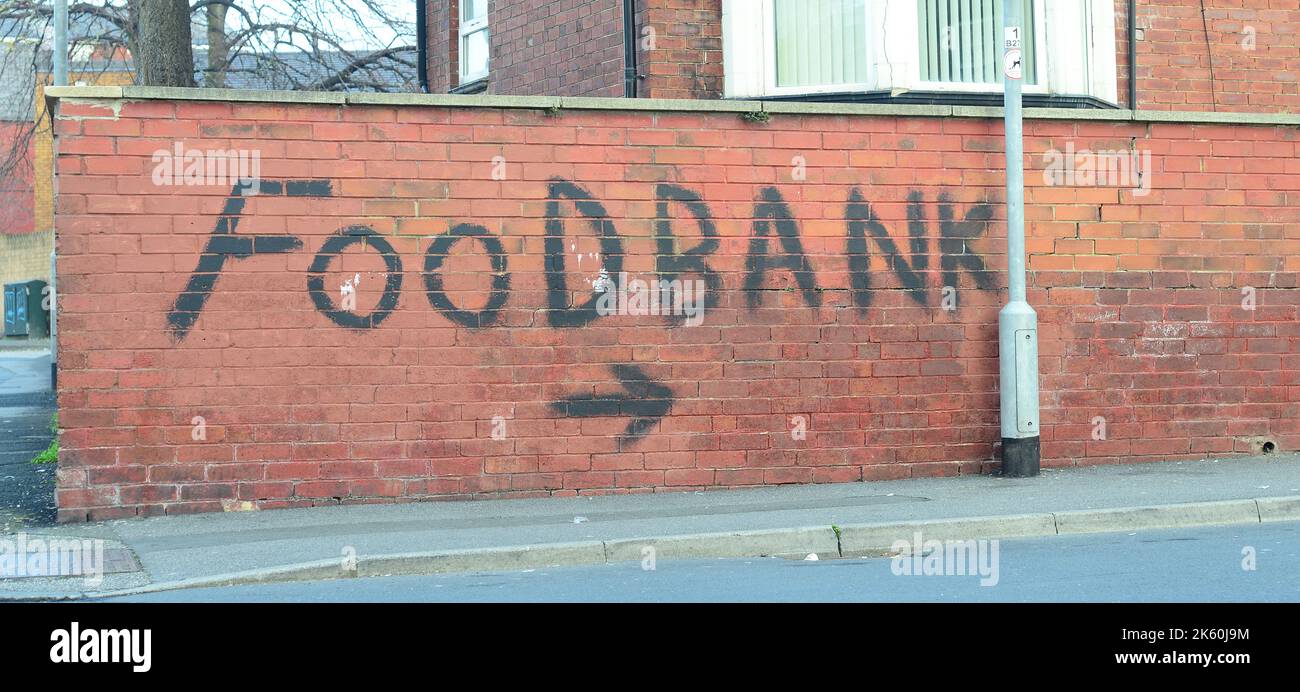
(473, 26)
(778, 48)
(960, 42)
(820, 42)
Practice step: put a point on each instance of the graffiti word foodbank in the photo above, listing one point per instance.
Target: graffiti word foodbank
(23, 556)
(774, 244)
(91, 645)
(239, 168)
(933, 557)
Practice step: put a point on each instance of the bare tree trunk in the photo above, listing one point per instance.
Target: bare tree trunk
(164, 55)
(218, 46)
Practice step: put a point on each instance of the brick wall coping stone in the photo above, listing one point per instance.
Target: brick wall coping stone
(141, 93)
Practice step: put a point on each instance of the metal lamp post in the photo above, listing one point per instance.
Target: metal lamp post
(60, 79)
(1017, 321)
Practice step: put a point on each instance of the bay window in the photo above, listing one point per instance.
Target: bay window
(855, 48)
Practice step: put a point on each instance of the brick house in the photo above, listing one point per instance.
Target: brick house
(1218, 55)
(410, 306)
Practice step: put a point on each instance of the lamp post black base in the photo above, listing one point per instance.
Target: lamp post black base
(1020, 457)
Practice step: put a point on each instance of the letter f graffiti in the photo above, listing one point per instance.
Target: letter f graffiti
(223, 243)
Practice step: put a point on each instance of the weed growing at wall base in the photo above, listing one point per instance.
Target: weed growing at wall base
(51, 453)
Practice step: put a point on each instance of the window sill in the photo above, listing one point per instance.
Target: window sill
(947, 98)
(477, 86)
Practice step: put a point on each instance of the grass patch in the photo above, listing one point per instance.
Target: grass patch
(51, 453)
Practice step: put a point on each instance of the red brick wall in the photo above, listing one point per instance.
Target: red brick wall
(538, 47)
(686, 59)
(184, 305)
(17, 195)
(1242, 55)
(443, 45)
(1122, 70)
(556, 47)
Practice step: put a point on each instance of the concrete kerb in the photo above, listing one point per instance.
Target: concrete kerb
(1158, 517)
(1278, 509)
(870, 539)
(825, 541)
(795, 542)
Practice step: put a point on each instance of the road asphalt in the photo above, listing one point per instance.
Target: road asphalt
(26, 405)
(1207, 564)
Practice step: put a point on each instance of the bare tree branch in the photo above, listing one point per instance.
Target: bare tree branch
(343, 75)
(344, 45)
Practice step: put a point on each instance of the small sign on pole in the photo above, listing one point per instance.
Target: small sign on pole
(1011, 57)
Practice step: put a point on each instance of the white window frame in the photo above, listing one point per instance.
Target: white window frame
(1070, 62)
(465, 28)
(907, 23)
(768, 36)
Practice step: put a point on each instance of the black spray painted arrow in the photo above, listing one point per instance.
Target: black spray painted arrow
(646, 401)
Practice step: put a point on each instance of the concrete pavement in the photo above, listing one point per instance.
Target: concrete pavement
(831, 520)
